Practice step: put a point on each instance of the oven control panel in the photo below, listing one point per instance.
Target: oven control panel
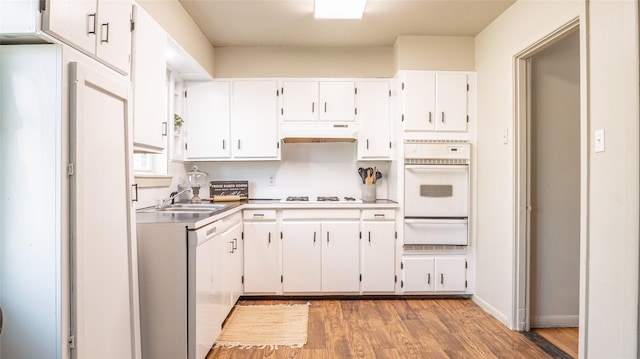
(436, 150)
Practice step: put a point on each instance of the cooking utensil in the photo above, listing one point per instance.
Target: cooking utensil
(378, 176)
(369, 179)
(363, 174)
(373, 175)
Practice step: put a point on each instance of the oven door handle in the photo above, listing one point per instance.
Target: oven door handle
(436, 221)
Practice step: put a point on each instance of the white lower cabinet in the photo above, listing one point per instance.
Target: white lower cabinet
(378, 256)
(441, 273)
(261, 253)
(340, 256)
(321, 255)
(236, 259)
(301, 257)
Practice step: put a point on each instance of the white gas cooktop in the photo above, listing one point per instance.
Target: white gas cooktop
(320, 199)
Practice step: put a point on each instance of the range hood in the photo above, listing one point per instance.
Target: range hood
(318, 132)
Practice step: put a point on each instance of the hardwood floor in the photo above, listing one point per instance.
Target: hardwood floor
(566, 339)
(402, 328)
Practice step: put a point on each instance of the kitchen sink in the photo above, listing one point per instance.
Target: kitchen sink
(186, 208)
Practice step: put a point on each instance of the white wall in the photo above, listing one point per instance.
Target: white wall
(610, 244)
(314, 169)
(555, 185)
(613, 180)
(445, 53)
(520, 26)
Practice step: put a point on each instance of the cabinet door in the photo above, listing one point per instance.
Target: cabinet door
(114, 33)
(208, 317)
(255, 122)
(450, 274)
(301, 257)
(418, 274)
(373, 116)
(337, 101)
(207, 120)
(451, 102)
(262, 258)
(237, 263)
(300, 101)
(340, 257)
(105, 272)
(74, 22)
(149, 77)
(378, 256)
(418, 93)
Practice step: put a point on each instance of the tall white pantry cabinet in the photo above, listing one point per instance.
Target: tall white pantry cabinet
(68, 262)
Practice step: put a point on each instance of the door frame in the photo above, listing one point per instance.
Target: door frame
(522, 176)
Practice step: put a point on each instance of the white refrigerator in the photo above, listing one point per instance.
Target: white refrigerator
(68, 261)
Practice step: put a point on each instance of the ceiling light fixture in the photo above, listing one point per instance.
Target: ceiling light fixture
(339, 9)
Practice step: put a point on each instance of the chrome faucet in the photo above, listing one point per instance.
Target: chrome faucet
(172, 197)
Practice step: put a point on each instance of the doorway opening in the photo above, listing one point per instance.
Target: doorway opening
(549, 186)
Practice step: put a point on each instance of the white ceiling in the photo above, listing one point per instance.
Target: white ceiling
(291, 22)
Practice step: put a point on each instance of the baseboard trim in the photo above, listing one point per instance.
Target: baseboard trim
(491, 310)
(555, 321)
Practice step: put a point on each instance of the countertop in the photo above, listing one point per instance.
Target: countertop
(197, 220)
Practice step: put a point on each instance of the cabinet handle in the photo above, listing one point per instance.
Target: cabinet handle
(327, 237)
(235, 244)
(313, 107)
(269, 237)
(238, 144)
(367, 143)
(231, 242)
(135, 188)
(314, 238)
(325, 107)
(91, 29)
(441, 278)
(442, 116)
(102, 37)
(224, 144)
(429, 278)
(164, 128)
(430, 117)
(369, 237)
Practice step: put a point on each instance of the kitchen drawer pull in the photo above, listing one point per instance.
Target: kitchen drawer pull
(378, 215)
(92, 24)
(258, 215)
(102, 37)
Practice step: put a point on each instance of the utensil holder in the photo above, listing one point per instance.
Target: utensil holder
(368, 192)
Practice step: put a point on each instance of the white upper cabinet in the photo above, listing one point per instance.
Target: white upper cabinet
(208, 120)
(373, 117)
(254, 130)
(299, 101)
(99, 28)
(434, 101)
(149, 77)
(332, 101)
(337, 101)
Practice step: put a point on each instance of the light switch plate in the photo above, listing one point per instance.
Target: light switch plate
(599, 140)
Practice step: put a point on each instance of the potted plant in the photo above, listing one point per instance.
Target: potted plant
(177, 123)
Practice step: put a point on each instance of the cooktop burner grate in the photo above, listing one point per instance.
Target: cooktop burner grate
(298, 199)
(328, 198)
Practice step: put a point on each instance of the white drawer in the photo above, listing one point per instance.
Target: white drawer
(379, 215)
(259, 214)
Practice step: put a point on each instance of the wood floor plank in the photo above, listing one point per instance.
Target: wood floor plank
(395, 328)
(566, 339)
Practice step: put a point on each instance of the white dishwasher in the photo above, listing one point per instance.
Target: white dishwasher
(184, 285)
